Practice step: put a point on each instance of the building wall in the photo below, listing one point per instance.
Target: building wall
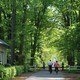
(3, 55)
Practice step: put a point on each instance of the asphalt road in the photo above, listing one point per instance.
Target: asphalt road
(45, 75)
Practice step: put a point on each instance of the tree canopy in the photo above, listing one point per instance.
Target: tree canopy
(39, 30)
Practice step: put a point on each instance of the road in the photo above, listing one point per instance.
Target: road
(45, 75)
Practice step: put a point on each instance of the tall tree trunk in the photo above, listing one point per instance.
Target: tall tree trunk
(38, 20)
(70, 59)
(66, 19)
(0, 15)
(31, 62)
(13, 29)
(79, 16)
(78, 58)
(1, 27)
(33, 46)
(78, 49)
(22, 35)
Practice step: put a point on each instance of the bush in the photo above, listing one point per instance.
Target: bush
(10, 72)
(19, 70)
(74, 71)
(1, 68)
(1, 71)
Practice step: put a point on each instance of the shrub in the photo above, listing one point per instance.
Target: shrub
(10, 72)
(19, 69)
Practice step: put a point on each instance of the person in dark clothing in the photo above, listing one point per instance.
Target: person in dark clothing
(62, 66)
(43, 65)
(50, 66)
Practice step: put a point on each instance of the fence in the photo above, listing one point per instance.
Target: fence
(46, 68)
(74, 68)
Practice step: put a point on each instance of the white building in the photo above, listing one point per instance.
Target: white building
(3, 53)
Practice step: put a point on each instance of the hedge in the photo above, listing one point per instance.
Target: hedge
(10, 72)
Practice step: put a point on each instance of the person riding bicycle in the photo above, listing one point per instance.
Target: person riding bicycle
(50, 63)
(56, 65)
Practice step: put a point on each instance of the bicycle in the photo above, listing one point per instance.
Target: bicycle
(56, 69)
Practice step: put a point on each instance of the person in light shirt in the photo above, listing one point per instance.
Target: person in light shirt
(50, 63)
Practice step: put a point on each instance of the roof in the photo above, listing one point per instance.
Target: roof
(3, 43)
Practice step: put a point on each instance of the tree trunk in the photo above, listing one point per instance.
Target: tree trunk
(78, 49)
(66, 19)
(23, 30)
(79, 16)
(1, 27)
(0, 15)
(33, 48)
(38, 19)
(71, 59)
(13, 29)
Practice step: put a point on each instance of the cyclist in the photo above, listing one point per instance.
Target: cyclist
(56, 65)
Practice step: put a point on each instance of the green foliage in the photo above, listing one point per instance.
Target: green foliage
(19, 69)
(54, 23)
(69, 43)
(1, 68)
(74, 71)
(12, 71)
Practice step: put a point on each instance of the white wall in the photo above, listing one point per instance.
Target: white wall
(3, 55)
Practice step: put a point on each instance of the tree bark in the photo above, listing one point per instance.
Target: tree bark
(33, 46)
(13, 29)
(22, 34)
(0, 15)
(38, 19)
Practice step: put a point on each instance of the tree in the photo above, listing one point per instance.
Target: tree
(13, 30)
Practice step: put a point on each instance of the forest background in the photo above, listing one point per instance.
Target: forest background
(40, 30)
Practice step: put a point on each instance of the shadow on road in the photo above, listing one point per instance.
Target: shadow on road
(45, 75)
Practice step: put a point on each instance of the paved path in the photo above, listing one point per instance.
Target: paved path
(45, 75)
